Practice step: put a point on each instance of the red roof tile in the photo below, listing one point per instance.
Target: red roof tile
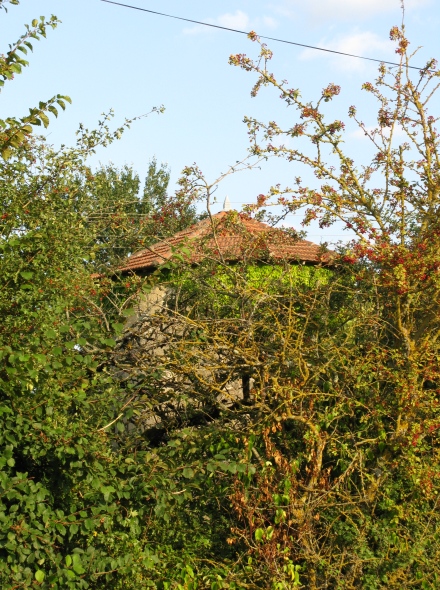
(229, 237)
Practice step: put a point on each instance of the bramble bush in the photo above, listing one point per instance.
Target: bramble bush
(350, 489)
(331, 469)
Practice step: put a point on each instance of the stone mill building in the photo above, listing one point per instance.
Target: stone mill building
(177, 351)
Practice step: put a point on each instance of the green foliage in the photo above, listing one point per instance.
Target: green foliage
(128, 219)
(16, 132)
(79, 507)
(166, 214)
(155, 188)
(67, 498)
(3, 2)
(218, 289)
(131, 455)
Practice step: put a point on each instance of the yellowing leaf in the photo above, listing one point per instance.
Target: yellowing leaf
(39, 576)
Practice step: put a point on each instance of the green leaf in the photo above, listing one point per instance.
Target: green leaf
(106, 491)
(109, 342)
(69, 575)
(77, 565)
(259, 535)
(53, 110)
(6, 152)
(45, 119)
(188, 473)
(15, 67)
(39, 576)
(89, 524)
(61, 528)
(242, 467)
(27, 275)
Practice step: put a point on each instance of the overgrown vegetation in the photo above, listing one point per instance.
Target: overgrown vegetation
(126, 466)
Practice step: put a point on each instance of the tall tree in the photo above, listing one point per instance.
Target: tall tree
(130, 219)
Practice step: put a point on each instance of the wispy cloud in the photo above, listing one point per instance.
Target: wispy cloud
(284, 9)
(238, 20)
(268, 21)
(345, 9)
(363, 43)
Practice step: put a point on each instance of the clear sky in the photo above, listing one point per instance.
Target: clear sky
(105, 56)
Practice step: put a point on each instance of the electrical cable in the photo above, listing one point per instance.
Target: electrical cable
(188, 20)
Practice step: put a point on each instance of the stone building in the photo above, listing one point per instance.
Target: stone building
(173, 392)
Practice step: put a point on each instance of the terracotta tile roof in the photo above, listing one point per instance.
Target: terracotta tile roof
(232, 236)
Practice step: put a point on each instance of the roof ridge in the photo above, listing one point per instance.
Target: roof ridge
(229, 244)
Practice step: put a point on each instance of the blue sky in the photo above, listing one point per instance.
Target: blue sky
(105, 56)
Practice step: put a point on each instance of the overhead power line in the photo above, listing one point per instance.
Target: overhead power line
(197, 22)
